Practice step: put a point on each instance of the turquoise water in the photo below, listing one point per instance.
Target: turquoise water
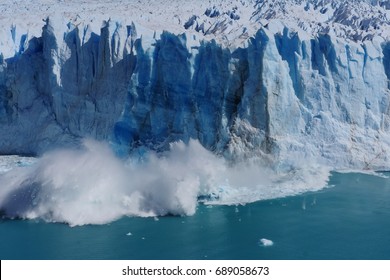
(350, 220)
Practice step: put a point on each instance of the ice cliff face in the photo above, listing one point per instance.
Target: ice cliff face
(284, 94)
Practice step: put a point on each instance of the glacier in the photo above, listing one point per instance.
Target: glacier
(280, 93)
(290, 85)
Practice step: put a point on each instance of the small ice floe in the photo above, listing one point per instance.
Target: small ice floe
(129, 233)
(266, 242)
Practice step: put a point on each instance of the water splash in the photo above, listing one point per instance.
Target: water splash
(92, 186)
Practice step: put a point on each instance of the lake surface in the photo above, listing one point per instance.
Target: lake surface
(348, 220)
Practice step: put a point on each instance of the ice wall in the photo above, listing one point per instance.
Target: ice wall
(282, 96)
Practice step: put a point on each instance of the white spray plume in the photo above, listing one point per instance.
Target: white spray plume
(93, 186)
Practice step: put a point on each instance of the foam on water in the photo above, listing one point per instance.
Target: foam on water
(382, 174)
(92, 186)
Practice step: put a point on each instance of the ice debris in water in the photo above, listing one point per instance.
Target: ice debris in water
(266, 242)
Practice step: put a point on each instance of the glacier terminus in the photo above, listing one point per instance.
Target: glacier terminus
(276, 79)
